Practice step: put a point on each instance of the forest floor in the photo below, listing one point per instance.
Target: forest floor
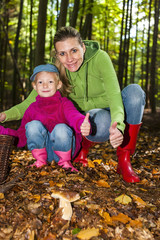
(107, 208)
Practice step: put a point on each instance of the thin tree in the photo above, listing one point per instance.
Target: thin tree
(128, 43)
(82, 16)
(75, 13)
(63, 13)
(3, 55)
(30, 41)
(154, 55)
(87, 27)
(14, 88)
(121, 57)
(41, 32)
(148, 53)
(135, 48)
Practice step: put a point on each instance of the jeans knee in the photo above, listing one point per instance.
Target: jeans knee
(134, 94)
(34, 127)
(61, 132)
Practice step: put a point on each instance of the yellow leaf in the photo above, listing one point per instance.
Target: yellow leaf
(102, 183)
(37, 197)
(105, 216)
(51, 183)
(112, 163)
(88, 233)
(44, 173)
(135, 223)
(138, 201)
(91, 164)
(123, 199)
(144, 190)
(121, 218)
(98, 161)
(1, 195)
(155, 171)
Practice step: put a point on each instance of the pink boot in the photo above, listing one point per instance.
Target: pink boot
(41, 156)
(65, 160)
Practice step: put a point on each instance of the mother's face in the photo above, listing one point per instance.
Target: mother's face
(70, 53)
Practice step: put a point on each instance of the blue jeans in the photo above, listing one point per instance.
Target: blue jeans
(60, 139)
(133, 98)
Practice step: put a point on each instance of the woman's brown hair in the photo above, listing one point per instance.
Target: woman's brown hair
(67, 32)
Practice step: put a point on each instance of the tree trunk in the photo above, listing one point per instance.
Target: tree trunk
(30, 43)
(63, 13)
(120, 63)
(41, 32)
(148, 54)
(154, 55)
(3, 59)
(75, 13)
(14, 88)
(82, 16)
(135, 51)
(87, 28)
(128, 43)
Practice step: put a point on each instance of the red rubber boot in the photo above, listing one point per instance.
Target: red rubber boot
(65, 160)
(82, 156)
(124, 151)
(41, 156)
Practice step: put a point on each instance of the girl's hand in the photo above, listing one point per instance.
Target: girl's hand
(2, 117)
(116, 137)
(85, 127)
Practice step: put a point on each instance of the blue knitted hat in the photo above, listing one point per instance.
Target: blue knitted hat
(43, 68)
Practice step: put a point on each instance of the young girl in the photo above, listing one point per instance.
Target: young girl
(52, 127)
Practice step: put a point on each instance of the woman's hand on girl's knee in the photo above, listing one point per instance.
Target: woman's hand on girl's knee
(2, 117)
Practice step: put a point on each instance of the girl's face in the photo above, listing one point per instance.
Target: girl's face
(46, 84)
(70, 53)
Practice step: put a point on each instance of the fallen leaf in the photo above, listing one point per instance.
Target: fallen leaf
(91, 164)
(97, 161)
(135, 223)
(102, 183)
(76, 230)
(123, 199)
(105, 216)
(88, 233)
(1, 195)
(50, 236)
(121, 218)
(51, 183)
(155, 171)
(44, 173)
(138, 201)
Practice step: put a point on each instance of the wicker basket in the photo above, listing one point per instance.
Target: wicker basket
(6, 144)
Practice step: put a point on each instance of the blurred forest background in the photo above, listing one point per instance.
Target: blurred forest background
(127, 29)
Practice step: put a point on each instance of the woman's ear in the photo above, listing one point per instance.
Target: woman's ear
(84, 48)
(59, 84)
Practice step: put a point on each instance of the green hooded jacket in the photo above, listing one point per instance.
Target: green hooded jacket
(95, 85)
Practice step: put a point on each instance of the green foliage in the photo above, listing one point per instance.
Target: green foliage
(106, 29)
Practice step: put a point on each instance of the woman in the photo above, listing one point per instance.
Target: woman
(96, 90)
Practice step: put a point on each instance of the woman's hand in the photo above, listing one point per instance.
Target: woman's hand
(2, 117)
(116, 137)
(85, 127)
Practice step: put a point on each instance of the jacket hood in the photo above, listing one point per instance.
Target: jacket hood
(92, 48)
